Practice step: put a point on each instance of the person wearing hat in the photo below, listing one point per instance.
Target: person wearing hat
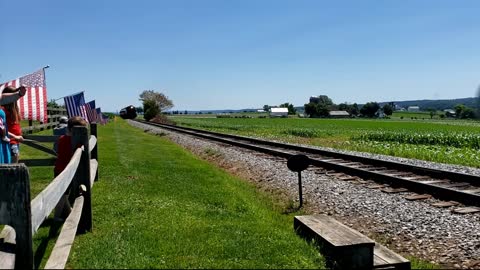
(60, 130)
(8, 97)
(14, 129)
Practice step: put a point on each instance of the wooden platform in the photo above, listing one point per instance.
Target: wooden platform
(346, 248)
(343, 247)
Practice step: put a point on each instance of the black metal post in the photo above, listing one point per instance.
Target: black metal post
(300, 188)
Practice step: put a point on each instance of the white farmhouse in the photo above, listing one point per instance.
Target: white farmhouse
(413, 109)
(278, 112)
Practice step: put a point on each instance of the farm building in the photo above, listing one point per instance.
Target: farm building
(339, 114)
(450, 113)
(278, 112)
(413, 109)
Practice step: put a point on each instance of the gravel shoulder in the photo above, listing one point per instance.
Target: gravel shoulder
(412, 228)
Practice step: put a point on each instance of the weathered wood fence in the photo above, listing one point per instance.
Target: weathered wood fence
(23, 217)
(53, 117)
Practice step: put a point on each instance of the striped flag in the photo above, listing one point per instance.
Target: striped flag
(91, 112)
(104, 119)
(98, 111)
(75, 105)
(32, 106)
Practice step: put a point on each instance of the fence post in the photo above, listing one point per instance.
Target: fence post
(15, 211)
(30, 125)
(82, 177)
(93, 131)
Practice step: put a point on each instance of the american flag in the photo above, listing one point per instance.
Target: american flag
(98, 111)
(32, 106)
(91, 112)
(75, 105)
(104, 119)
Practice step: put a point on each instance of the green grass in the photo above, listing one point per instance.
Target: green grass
(158, 206)
(447, 141)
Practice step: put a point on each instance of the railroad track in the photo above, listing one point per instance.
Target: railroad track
(451, 187)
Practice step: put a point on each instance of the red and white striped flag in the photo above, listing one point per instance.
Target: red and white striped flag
(91, 113)
(32, 106)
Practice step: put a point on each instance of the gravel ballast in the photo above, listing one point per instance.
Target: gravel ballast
(412, 228)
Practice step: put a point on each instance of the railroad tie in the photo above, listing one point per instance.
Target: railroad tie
(466, 210)
(416, 197)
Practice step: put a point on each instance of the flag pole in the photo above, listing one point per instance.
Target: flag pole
(69, 95)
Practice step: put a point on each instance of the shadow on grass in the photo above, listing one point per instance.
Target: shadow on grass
(52, 235)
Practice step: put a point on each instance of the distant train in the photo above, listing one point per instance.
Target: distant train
(128, 112)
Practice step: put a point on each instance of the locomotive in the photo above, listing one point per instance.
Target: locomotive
(128, 112)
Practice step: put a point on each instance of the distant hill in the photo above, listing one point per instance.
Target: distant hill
(440, 104)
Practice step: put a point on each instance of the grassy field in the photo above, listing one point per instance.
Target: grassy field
(452, 141)
(158, 206)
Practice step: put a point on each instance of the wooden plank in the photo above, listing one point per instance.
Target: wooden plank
(46, 201)
(92, 143)
(59, 256)
(15, 210)
(38, 162)
(343, 247)
(377, 186)
(418, 197)
(445, 204)
(93, 170)
(383, 258)
(457, 185)
(40, 147)
(394, 190)
(80, 137)
(42, 138)
(466, 210)
(333, 231)
(94, 151)
(7, 257)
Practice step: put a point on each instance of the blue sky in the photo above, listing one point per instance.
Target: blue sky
(243, 54)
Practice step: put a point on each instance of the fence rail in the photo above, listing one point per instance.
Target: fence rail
(23, 216)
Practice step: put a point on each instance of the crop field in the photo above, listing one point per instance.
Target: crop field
(446, 141)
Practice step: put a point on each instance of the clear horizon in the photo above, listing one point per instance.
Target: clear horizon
(213, 54)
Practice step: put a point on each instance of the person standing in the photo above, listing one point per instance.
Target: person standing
(14, 129)
(6, 98)
(64, 154)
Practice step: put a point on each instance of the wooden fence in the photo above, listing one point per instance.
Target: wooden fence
(23, 217)
(53, 116)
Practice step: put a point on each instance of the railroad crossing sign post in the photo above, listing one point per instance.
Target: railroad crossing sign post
(298, 163)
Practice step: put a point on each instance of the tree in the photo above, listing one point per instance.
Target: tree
(160, 99)
(432, 112)
(459, 108)
(387, 109)
(151, 109)
(266, 108)
(468, 113)
(139, 109)
(369, 109)
(319, 106)
(311, 109)
(53, 104)
(291, 109)
(324, 99)
(353, 110)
